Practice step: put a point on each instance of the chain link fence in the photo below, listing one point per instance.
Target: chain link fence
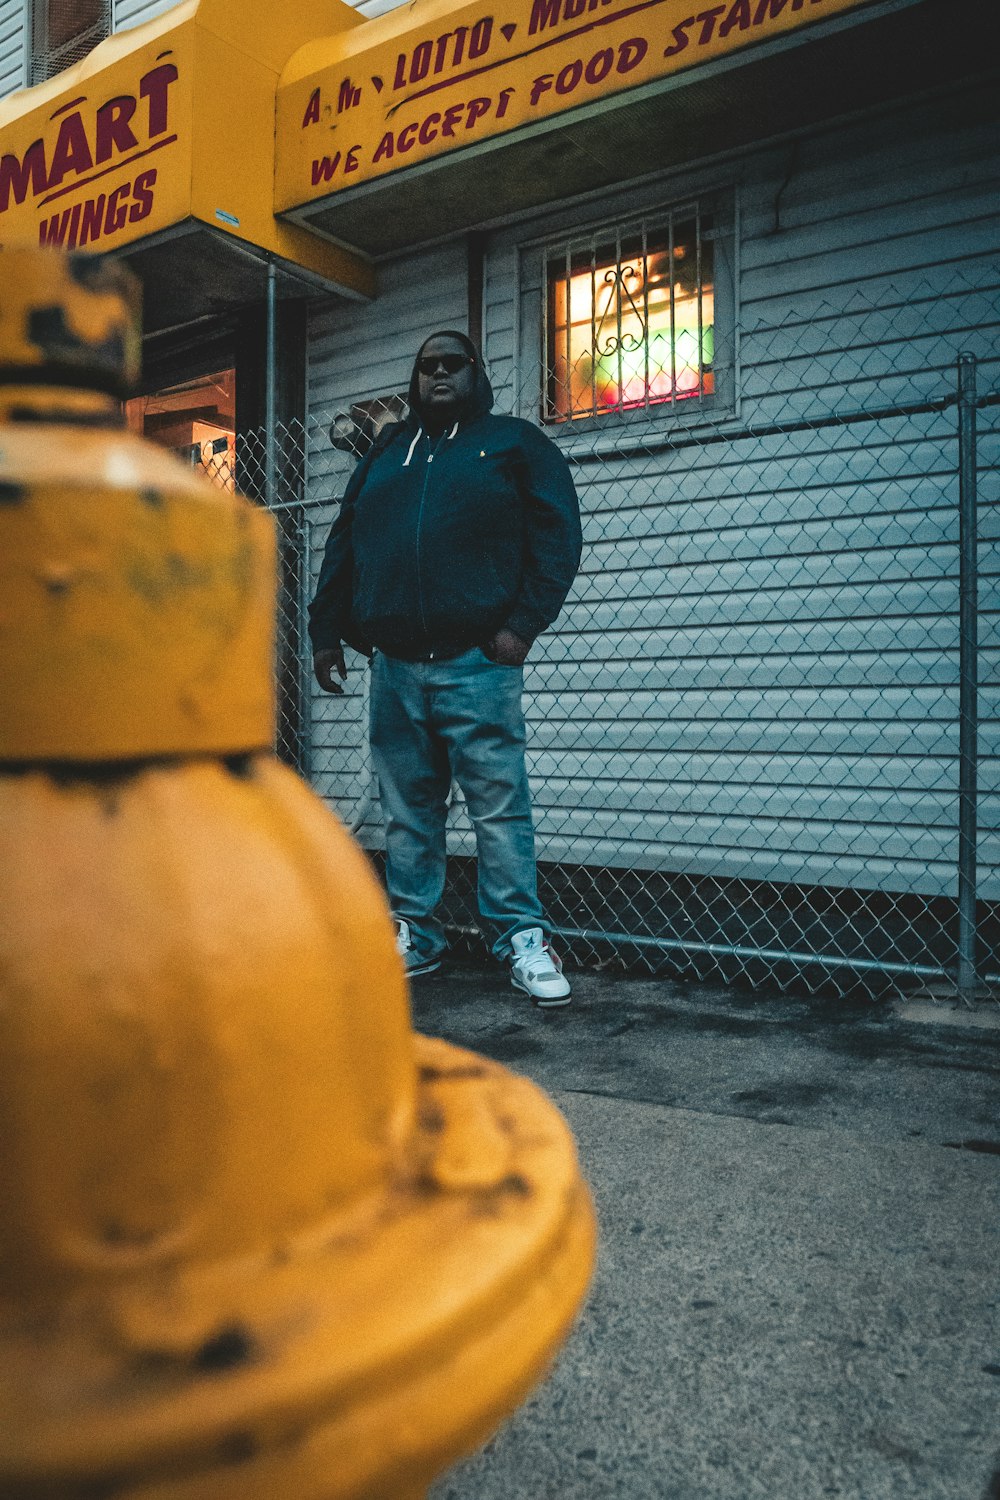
(760, 732)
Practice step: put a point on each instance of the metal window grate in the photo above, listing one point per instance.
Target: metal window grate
(629, 318)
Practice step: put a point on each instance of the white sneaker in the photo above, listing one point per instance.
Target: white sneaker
(413, 963)
(535, 969)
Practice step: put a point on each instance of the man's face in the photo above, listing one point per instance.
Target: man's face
(443, 390)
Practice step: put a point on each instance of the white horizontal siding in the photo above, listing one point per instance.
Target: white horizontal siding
(128, 13)
(757, 671)
(13, 45)
(756, 674)
(371, 8)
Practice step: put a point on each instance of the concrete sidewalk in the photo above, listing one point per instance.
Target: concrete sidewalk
(798, 1290)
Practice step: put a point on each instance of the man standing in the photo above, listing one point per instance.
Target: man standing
(457, 541)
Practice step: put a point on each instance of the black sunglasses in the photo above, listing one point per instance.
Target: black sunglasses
(429, 364)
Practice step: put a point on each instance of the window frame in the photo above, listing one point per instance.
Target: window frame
(655, 418)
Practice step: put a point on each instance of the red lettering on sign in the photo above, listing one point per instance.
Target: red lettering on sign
(142, 196)
(480, 37)
(72, 150)
(92, 219)
(681, 38)
(544, 13)
(451, 117)
(62, 229)
(117, 212)
(739, 15)
(420, 66)
(83, 223)
(323, 169)
(600, 65)
(153, 86)
(311, 116)
(540, 86)
(435, 55)
(78, 148)
(631, 54)
(708, 18)
(439, 51)
(413, 67)
(16, 175)
(113, 132)
(476, 109)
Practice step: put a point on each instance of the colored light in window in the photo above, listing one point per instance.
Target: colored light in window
(631, 330)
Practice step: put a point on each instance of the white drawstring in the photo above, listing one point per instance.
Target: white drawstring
(416, 440)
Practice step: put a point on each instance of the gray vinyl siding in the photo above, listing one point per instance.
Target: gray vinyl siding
(128, 13)
(756, 674)
(13, 45)
(371, 8)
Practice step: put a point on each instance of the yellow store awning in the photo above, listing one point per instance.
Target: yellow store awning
(164, 136)
(439, 116)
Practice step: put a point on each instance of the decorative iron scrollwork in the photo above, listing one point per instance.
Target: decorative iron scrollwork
(619, 303)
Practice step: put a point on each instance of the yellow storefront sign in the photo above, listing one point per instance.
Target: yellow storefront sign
(105, 166)
(392, 94)
(170, 124)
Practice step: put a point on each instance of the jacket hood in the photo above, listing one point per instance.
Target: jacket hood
(481, 399)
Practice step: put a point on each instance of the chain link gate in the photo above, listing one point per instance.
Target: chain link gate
(753, 730)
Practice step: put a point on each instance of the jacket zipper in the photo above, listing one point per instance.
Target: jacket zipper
(420, 526)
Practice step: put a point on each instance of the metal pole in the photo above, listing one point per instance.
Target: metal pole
(303, 529)
(271, 390)
(968, 677)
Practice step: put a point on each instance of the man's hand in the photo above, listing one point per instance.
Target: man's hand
(324, 663)
(507, 649)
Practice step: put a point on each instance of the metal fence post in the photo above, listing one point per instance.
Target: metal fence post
(968, 677)
(270, 389)
(304, 529)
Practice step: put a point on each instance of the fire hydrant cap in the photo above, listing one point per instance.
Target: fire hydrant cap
(69, 319)
(136, 601)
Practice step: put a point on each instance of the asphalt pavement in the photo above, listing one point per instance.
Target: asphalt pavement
(798, 1289)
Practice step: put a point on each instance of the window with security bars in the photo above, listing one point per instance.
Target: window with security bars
(63, 32)
(630, 316)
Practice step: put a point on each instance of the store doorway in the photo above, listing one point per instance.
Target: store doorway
(196, 421)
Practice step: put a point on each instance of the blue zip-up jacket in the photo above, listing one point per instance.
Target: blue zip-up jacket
(444, 538)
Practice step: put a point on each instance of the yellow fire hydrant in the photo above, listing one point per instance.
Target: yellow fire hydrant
(258, 1240)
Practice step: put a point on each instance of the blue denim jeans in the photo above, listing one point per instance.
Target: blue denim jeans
(430, 722)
